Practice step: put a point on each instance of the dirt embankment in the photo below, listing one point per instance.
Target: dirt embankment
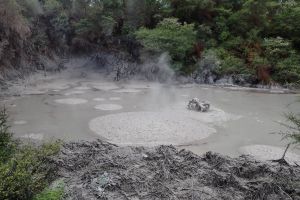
(99, 170)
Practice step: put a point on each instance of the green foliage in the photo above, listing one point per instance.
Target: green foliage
(230, 64)
(193, 10)
(260, 62)
(6, 141)
(24, 169)
(170, 36)
(276, 48)
(293, 125)
(60, 23)
(252, 15)
(208, 61)
(52, 5)
(288, 70)
(27, 171)
(287, 23)
(54, 192)
(254, 33)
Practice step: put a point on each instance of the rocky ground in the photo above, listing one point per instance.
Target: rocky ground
(99, 170)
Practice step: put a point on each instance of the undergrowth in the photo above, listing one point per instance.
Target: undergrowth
(25, 169)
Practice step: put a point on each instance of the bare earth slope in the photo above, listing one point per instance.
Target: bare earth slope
(98, 170)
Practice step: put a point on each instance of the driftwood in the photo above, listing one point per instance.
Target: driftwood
(99, 170)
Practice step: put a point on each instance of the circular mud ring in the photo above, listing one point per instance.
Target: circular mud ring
(108, 107)
(74, 93)
(115, 98)
(33, 92)
(267, 153)
(54, 86)
(129, 90)
(71, 101)
(150, 128)
(82, 88)
(137, 86)
(99, 99)
(20, 122)
(104, 86)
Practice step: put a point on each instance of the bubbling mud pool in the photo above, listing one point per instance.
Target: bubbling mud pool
(150, 128)
(152, 114)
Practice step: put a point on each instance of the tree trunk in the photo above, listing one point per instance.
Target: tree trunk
(282, 159)
(285, 151)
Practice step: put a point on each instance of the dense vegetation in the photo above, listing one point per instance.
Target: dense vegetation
(25, 169)
(252, 40)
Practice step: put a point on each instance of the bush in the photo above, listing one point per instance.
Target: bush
(25, 169)
(288, 70)
(52, 6)
(6, 141)
(276, 48)
(169, 36)
(230, 64)
(55, 192)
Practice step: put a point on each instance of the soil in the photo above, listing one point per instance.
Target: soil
(100, 170)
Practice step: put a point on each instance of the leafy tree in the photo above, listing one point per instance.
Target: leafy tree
(288, 70)
(292, 134)
(52, 6)
(251, 31)
(252, 15)
(276, 48)
(192, 11)
(169, 36)
(230, 64)
(11, 20)
(288, 20)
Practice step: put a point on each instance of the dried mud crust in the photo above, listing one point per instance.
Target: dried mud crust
(99, 170)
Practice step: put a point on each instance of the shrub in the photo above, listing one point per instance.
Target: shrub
(25, 169)
(55, 192)
(170, 36)
(52, 6)
(288, 70)
(230, 64)
(6, 142)
(27, 172)
(292, 134)
(276, 48)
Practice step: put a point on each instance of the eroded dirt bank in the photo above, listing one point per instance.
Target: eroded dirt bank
(99, 170)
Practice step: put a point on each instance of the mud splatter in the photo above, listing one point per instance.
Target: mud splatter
(71, 101)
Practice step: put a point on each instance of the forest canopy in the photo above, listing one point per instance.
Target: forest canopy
(254, 39)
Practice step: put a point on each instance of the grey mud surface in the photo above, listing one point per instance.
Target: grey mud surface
(75, 106)
(99, 170)
(154, 114)
(62, 106)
